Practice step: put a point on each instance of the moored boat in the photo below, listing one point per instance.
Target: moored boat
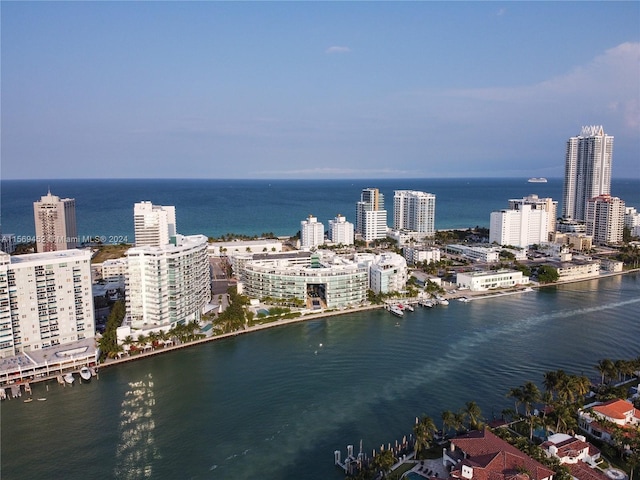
(85, 374)
(69, 378)
(395, 310)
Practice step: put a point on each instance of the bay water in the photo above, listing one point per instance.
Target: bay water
(275, 404)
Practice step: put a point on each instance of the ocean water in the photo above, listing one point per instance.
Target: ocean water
(275, 404)
(251, 207)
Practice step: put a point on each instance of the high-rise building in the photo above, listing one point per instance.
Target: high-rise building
(547, 204)
(154, 225)
(55, 221)
(605, 219)
(168, 284)
(520, 228)
(371, 217)
(311, 233)
(341, 231)
(587, 170)
(414, 211)
(45, 301)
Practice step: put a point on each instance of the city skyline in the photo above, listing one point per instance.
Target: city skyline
(314, 89)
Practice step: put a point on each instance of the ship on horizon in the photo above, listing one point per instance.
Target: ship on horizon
(537, 180)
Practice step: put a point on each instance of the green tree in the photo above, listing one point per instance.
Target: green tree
(547, 274)
(423, 432)
(383, 462)
(474, 414)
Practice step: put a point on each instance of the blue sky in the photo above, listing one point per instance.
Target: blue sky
(314, 89)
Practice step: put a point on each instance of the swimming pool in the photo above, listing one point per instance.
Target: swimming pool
(413, 476)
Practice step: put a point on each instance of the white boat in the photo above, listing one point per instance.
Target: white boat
(443, 301)
(537, 180)
(69, 378)
(85, 373)
(396, 310)
(464, 299)
(426, 303)
(409, 307)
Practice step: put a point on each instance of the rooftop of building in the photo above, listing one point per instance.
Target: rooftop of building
(74, 253)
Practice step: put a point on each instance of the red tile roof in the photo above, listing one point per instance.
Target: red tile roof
(616, 409)
(494, 459)
(582, 471)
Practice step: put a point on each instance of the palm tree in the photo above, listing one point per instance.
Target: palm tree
(605, 367)
(517, 394)
(423, 431)
(530, 396)
(383, 462)
(473, 413)
(448, 421)
(127, 342)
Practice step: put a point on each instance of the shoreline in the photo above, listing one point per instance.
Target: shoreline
(314, 316)
(472, 296)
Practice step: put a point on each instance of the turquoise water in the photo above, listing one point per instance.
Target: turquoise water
(265, 405)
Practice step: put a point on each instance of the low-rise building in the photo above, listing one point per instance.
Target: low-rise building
(594, 419)
(573, 269)
(418, 254)
(475, 253)
(320, 280)
(388, 273)
(481, 455)
(265, 245)
(571, 449)
(481, 281)
(114, 270)
(577, 241)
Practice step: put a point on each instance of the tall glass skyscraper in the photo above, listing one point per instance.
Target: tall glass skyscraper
(587, 171)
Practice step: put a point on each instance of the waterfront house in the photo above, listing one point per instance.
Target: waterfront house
(594, 418)
(481, 455)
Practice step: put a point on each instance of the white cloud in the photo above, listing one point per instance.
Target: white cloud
(337, 49)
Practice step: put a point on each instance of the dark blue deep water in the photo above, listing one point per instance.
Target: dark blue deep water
(252, 207)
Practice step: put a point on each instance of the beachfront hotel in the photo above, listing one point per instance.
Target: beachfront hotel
(46, 302)
(55, 222)
(167, 284)
(371, 217)
(587, 170)
(414, 211)
(154, 225)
